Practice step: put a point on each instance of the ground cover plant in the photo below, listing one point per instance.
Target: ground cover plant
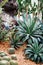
(31, 31)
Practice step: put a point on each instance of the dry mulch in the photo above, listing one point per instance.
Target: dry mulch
(20, 54)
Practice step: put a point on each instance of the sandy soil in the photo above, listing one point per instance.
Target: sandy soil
(20, 54)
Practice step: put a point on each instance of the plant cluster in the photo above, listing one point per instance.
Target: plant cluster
(31, 31)
(6, 60)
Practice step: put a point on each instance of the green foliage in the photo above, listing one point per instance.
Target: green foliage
(29, 29)
(34, 51)
(3, 2)
(15, 41)
(3, 31)
(23, 3)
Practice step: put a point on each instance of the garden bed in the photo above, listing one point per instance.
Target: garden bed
(19, 53)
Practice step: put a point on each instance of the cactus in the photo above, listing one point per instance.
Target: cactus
(4, 62)
(0, 58)
(11, 50)
(13, 57)
(12, 62)
(6, 58)
(2, 54)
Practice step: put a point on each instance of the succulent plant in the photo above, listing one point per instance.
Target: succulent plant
(11, 50)
(6, 58)
(0, 58)
(12, 62)
(13, 57)
(34, 51)
(15, 41)
(4, 62)
(29, 29)
(2, 54)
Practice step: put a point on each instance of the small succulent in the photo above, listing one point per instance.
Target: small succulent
(11, 50)
(2, 54)
(6, 58)
(34, 51)
(13, 57)
(12, 62)
(15, 41)
(4, 62)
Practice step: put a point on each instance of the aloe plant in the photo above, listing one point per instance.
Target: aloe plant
(34, 51)
(29, 29)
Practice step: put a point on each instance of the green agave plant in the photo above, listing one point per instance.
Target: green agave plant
(15, 41)
(29, 29)
(34, 51)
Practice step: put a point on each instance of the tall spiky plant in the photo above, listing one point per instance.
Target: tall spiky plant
(30, 29)
(34, 51)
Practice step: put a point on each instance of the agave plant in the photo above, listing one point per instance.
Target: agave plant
(15, 41)
(34, 51)
(29, 29)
